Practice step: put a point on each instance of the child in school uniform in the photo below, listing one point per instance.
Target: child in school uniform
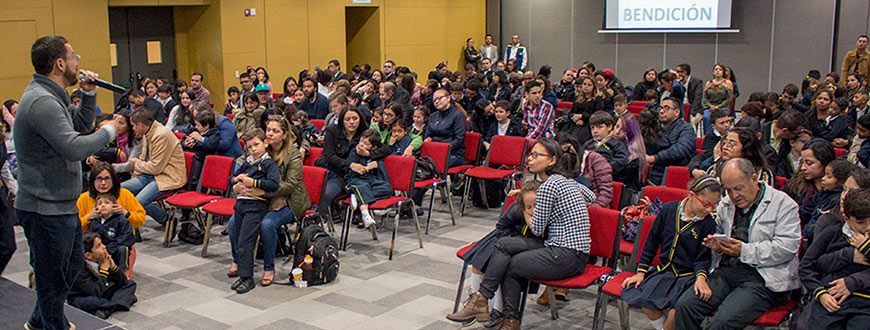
(836, 173)
(862, 134)
(604, 144)
(837, 125)
(258, 171)
(503, 124)
(309, 132)
(114, 230)
(206, 145)
(101, 287)
(835, 270)
(370, 181)
(678, 231)
(421, 116)
(400, 141)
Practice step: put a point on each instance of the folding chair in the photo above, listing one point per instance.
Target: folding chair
(222, 208)
(562, 106)
(665, 194)
(638, 103)
(461, 253)
(781, 181)
(315, 183)
(612, 289)
(319, 123)
(313, 154)
(677, 177)
(439, 152)
(216, 174)
(179, 135)
(840, 152)
(188, 164)
(605, 226)
(506, 151)
(472, 150)
(401, 170)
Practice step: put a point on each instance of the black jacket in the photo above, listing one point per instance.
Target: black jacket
(336, 149)
(515, 128)
(681, 251)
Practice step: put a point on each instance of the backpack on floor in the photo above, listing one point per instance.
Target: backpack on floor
(323, 248)
(190, 233)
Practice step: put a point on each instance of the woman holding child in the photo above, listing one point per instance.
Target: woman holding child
(290, 199)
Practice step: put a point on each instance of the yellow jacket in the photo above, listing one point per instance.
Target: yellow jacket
(163, 158)
(126, 199)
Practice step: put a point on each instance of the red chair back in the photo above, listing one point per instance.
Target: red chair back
(275, 96)
(603, 230)
(313, 154)
(638, 103)
(641, 241)
(564, 105)
(698, 143)
(781, 181)
(401, 170)
(314, 179)
(179, 135)
(617, 195)
(666, 194)
(319, 123)
(472, 146)
(507, 203)
(230, 116)
(686, 111)
(188, 162)
(840, 152)
(507, 150)
(439, 152)
(216, 172)
(242, 143)
(635, 109)
(677, 177)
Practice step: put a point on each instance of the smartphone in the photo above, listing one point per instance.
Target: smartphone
(722, 237)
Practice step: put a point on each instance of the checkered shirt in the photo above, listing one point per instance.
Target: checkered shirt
(560, 210)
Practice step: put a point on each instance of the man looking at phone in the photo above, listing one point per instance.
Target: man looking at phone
(755, 261)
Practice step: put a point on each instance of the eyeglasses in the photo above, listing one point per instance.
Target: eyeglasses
(730, 144)
(439, 97)
(703, 202)
(536, 154)
(76, 58)
(103, 178)
(388, 114)
(668, 107)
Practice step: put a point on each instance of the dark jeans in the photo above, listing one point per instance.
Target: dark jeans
(517, 259)
(57, 256)
(7, 238)
(334, 188)
(738, 293)
(249, 213)
(854, 311)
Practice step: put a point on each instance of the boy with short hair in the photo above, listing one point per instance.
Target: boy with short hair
(504, 123)
(235, 100)
(261, 172)
(836, 125)
(620, 105)
(204, 122)
(835, 268)
(859, 106)
(114, 230)
(613, 150)
(721, 123)
(101, 287)
(862, 132)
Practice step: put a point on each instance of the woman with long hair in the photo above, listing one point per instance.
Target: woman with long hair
(743, 143)
(717, 94)
(627, 130)
(576, 121)
(815, 156)
(263, 77)
(649, 81)
(650, 129)
(180, 117)
(290, 87)
(500, 89)
(822, 100)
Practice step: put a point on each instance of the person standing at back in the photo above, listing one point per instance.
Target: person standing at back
(518, 52)
(50, 149)
(857, 60)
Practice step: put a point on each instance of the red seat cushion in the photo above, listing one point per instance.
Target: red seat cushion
(191, 199)
(425, 183)
(308, 212)
(222, 207)
(591, 274)
(464, 249)
(381, 203)
(483, 172)
(614, 286)
(625, 247)
(165, 195)
(457, 169)
(775, 315)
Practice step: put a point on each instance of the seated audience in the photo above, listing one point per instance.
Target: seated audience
(368, 181)
(205, 145)
(676, 145)
(421, 117)
(101, 287)
(314, 103)
(588, 102)
(400, 142)
(602, 142)
(592, 170)
(627, 130)
(447, 125)
(180, 117)
(114, 229)
(248, 118)
(836, 126)
(815, 156)
(720, 122)
(504, 124)
(649, 81)
(104, 180)
(780, 134)
(859, 178)
(392, 115)
(138, 99)
(229, 141)
(836, 174)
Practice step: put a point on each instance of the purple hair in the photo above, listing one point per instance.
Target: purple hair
(634, 139)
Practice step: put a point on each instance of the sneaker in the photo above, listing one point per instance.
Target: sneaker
(102, 313)
(495, 318)
(419, 211)
(367, 219)
(476, 308)
(247, 284)
(381, 212)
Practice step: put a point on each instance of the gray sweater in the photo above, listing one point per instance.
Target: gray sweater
(51, 139)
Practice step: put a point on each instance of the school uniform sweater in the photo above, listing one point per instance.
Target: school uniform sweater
(611, 149)
(680, 243)
(829, 258)
(125, 198)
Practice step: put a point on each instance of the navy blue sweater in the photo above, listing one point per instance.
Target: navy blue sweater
(316, 110)
(264, 172)
(679, 241)
(448, 126)
(829, 258)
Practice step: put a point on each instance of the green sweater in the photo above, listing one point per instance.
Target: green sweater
(416, 140)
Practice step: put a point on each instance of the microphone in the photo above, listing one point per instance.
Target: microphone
(103, 84)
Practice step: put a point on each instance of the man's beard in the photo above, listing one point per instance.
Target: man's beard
(70, 77)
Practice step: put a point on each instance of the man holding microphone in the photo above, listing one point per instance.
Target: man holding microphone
(51, 139)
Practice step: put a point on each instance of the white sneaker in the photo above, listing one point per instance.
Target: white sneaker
(367, 219)
(354, 204)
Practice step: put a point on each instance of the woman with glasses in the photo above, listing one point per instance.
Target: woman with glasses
(743, 143)
(677, 232)
(104, 180)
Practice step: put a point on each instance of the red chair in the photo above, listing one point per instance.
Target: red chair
(506, 151)
(275, 96)
(686, 111)
(635, 109)
(562, 106)
(242, 143)
(638, 103)
(223, 208)
(439, 152)
(780, 180)
(179, 135)
(230, 116)
(698, 143)
(315, 182)
(604, 232)
(840, 152)
(313, 154)
(401, 170)
(617, 195)
(612, 289)
(665, 194)
(319, 123)
(677, 177)
(472, 150)
(188, 164)
(216, 172)
(461, 253)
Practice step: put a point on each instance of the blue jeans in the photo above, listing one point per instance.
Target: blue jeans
(268, 233)
(145, 188)
(57, 257)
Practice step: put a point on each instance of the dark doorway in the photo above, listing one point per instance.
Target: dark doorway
(144, 40)
(363, 36)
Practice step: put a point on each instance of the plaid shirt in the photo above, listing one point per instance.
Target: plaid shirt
(560, 210)
(540, 120)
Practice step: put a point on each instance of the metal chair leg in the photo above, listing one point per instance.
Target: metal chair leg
(444, 189)
(167, 228)
(465, 196)
(417, 221)
(552, 295)
(481, 184)
(329, 220)
(345, 229)
(623, 315)
(429, 216)
(208, 223)
(395, 229)
(600, 311)
(460, 287)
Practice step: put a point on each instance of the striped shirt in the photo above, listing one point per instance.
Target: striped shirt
(560, 210)
(540, 120)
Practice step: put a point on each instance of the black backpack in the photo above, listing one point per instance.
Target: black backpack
(426, 169)
(323, 248)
